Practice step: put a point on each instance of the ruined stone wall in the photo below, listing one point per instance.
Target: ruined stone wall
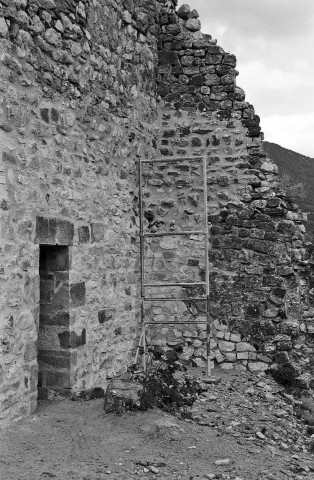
(87, 89)
(175, 204)
(77, 83)
(260, 308)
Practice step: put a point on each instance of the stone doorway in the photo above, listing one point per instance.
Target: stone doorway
(54, 356)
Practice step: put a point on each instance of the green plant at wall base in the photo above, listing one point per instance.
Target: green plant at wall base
(257, 332)
(285, 375)
(165, 385)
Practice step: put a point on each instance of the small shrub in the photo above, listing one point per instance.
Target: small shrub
(285, 374)
(165, 384)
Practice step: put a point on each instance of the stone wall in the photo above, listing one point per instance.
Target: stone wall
(77, 86)
(261, 307)
(174, 200)
(87, 89)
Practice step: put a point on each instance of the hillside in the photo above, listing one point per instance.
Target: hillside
(301, 169)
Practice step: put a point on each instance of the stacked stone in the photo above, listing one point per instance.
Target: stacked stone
(77, 93)
(258, 253)
(74, 77)
(105, 50)
(195, 73)
(230, 351)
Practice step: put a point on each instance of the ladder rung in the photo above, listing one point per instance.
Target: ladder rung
(170, 234)
(174, 284)
(171, 159)
(175, 323)
(173, 299)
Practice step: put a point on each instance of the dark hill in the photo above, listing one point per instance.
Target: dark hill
(300, 169)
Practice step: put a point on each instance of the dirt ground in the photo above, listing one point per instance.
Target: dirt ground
(241, 428)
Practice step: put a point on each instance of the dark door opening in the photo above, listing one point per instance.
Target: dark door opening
(54, 319)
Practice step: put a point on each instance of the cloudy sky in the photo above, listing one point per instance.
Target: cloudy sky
(274, 44)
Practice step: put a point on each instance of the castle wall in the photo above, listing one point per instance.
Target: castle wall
(77, 81)
(260, 308)
(87, 89)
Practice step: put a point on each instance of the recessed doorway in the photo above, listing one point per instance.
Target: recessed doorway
(54, 358)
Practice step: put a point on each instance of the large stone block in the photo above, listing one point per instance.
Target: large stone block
(245, 347)
(235, 338)
(243, 356)
(30, 353)
(54, 318)
(257, 366)
(212, 79)
(54, 358)
(184, 11)
(51, 231)
(226, 346)
(193, 24)
(71, 339)
(169, 57)
(98, 232)
(197, 80)
(3, 28)
(106, 315)
(26, 320)
(226, 366)
(121, 395)
(43, 234)
(77, 294)
(83, 234)
(56, 379)
(64, 232)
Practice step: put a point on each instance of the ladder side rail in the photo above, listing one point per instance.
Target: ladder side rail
(208, 330)
(142, 260)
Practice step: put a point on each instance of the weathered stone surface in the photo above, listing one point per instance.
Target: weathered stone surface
(51, 231)
(106, 315)
(169, 57)
(226, 346)
(78, 294)
(3, 28)
(52, 37)
(184, 11)
(245, 347)
(212, 79)
(83, 234)
(257, 366)
(193, 24)
(121, 395)
(71, 339)
(97, 232)
(79, 114)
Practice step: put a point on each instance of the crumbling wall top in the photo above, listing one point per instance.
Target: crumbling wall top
(169, 3)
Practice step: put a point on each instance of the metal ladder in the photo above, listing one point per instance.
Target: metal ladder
(142, 347)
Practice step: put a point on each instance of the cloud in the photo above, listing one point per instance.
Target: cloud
(273, 90)
(279, 31)
(277, 18)
(294, 132)
(272, 40)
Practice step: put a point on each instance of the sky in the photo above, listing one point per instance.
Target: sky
(273, 41)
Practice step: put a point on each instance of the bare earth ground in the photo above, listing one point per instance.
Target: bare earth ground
(244, 421)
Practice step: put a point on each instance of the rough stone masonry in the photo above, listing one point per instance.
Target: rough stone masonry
(88, 88)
